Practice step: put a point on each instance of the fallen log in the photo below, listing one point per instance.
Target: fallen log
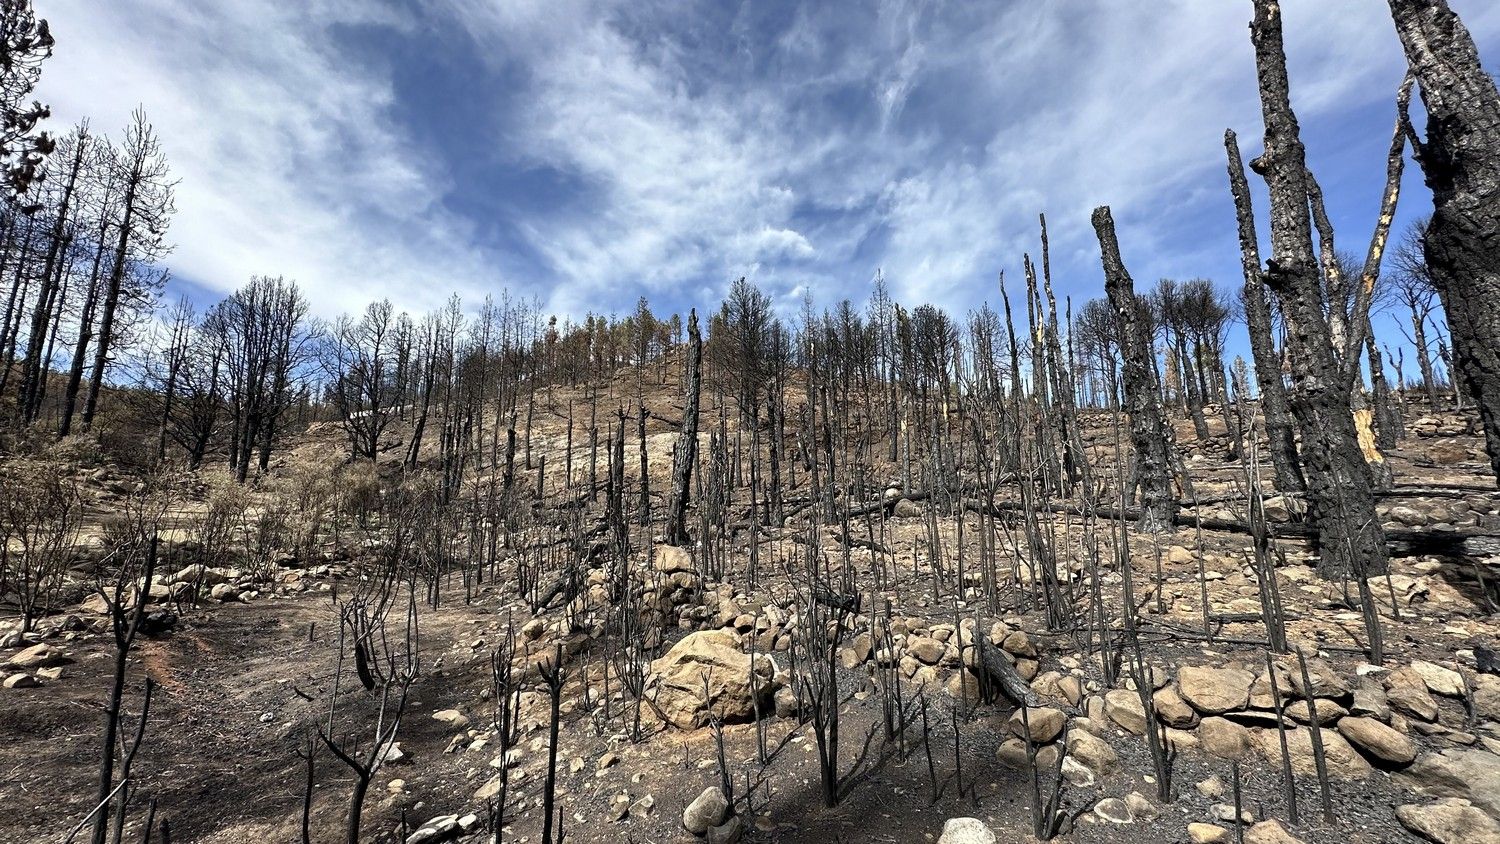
(996, 673)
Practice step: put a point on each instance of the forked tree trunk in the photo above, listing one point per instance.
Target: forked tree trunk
(1148, 432)
(1350, 540)
(1461, 162)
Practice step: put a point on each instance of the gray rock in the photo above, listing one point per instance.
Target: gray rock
(1378, 740)
(38, 656)
(1114, 810)
(706, 810)
(1214, 691)
(728, 832)
(1123, 707)
(966, 831)
(1466, 773)
(1450, 821)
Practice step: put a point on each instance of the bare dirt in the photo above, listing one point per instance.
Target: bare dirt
(240, 686)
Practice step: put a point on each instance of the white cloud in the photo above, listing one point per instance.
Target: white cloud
(287, 158)
(921, 137)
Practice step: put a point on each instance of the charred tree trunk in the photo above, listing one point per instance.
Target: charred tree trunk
(686, 452)
(1387, 415)
(1461, 162)
(1350, 541)
(1149, 435)
(35, 375)
(1273, 399)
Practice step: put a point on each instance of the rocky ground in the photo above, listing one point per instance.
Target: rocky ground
(1411, 747)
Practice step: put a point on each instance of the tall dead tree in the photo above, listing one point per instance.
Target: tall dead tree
(1461, 161)
(58, 241)
(1273, 398)
(686, 452)
(144, 213)
(1342, 507)
(1149, 435)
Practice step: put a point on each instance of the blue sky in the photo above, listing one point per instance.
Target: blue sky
(587, 152)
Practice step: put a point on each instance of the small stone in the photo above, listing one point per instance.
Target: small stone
(1212, 788)
(21, 681)
(491, 789)
(1114, 810)
(1270, 832)
(1140, 806)
(642, 808)
(966, 831)
(1076, 773)
(728, 832)
(1225, 812)
(394, 755)
(451, 718)
(1207, 833)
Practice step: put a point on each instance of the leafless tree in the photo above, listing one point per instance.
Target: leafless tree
(1461, 161)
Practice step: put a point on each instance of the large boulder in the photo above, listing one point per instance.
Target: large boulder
(1325, 681)
(1378, 740)
(1214, 691)
(38, 656)
(1270, 832)
(1465, 773)
(1092, 752)
(1046, 723)
(671, 559)
(1123, 707)
(1487, 696)
(1407, 692)
(1344, 762)
(1450, 821)
(681, 696)
(1172, 709)
(1439, 680)
(1223, 738)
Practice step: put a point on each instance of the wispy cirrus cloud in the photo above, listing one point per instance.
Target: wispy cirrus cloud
(591, 151)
